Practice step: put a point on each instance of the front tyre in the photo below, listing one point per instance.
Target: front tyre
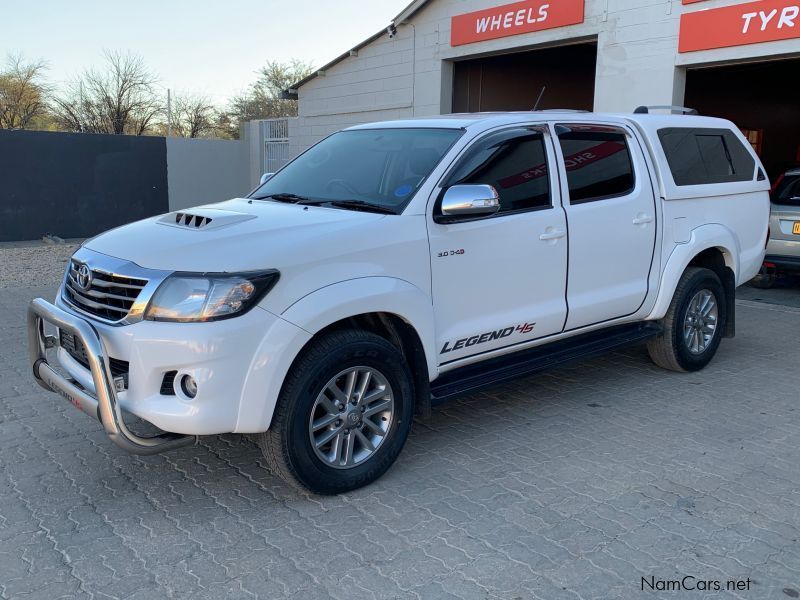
(694, 323)
(343, 415)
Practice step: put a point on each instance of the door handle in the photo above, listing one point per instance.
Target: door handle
(641, 219)
(552, 234)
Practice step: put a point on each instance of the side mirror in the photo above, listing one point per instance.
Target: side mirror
(265, 178)
(469, 200)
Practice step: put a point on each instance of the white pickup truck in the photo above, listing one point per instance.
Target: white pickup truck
(396, 265)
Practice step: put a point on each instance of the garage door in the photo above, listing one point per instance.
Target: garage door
(514, 81)
(763, 99)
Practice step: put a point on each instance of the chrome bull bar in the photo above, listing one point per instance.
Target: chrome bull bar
(104, 406)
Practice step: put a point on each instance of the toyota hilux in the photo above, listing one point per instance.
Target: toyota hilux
(394, 266)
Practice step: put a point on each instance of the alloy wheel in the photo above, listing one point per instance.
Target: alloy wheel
(351, 417)
(700, 323)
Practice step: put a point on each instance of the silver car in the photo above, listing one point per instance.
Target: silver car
(783, 249)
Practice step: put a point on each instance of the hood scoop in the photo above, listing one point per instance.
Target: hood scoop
(203, 219)
(189, 220)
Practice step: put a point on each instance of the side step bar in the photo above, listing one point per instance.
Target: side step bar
(104, 407)
(472, 378)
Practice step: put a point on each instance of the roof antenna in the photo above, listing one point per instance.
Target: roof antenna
(539, 99)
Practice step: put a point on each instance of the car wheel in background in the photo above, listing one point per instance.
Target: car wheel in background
(765, 279)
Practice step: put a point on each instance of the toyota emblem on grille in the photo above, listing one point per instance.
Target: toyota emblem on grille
(84, 279)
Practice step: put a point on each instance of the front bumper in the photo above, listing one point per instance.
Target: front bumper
(104, 404)
(224, 357)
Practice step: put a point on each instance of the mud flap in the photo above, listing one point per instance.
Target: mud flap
(729, 284)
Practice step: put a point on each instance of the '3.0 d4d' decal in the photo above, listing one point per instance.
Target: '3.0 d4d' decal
(446, 253)
(489, 336)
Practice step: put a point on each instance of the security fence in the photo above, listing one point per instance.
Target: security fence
(76, 185)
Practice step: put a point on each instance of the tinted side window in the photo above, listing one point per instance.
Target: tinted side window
(715, 156)
(705, 155)
(598, 165)
(515, 163)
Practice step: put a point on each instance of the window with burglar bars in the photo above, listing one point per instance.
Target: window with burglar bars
(275, 133)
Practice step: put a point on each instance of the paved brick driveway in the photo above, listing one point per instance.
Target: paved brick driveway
(574, 484)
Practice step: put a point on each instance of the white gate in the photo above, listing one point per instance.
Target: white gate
(275, 133)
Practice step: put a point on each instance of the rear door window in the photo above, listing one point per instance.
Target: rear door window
(597, 162)
(698, 156)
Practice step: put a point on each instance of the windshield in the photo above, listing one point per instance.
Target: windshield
(381, 167)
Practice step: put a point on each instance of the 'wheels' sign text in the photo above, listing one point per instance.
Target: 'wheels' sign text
(513, 19)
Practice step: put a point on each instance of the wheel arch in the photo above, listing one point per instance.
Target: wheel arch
(400, 333)
(713, 247)
(392, 308)
(396, 299)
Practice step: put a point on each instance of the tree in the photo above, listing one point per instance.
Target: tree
(23, 93)
(192, 116)
(262, 99)
(120, 99)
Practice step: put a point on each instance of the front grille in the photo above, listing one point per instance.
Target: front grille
(108, 296)
(75, 348)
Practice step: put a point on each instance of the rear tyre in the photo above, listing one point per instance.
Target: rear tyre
(694, 323)
(343, 414)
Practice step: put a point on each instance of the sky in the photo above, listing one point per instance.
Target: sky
(194, 46)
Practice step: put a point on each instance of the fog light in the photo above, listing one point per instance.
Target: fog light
(189, 386)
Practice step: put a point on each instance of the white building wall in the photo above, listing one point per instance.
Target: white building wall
(201, 171)
(411, 74)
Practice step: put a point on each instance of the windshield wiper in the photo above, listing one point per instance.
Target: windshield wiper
(363, 205)
(347, 204)
(285, 197)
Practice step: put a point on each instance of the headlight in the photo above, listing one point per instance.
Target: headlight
(186, 297)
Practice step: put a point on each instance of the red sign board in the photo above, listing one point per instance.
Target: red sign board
(513, 19)
(740, 24)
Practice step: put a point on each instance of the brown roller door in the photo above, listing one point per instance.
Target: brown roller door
(514, 81)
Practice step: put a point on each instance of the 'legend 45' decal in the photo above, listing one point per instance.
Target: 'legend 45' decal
(489, 336)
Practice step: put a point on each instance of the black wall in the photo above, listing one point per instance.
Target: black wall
(76, 185)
